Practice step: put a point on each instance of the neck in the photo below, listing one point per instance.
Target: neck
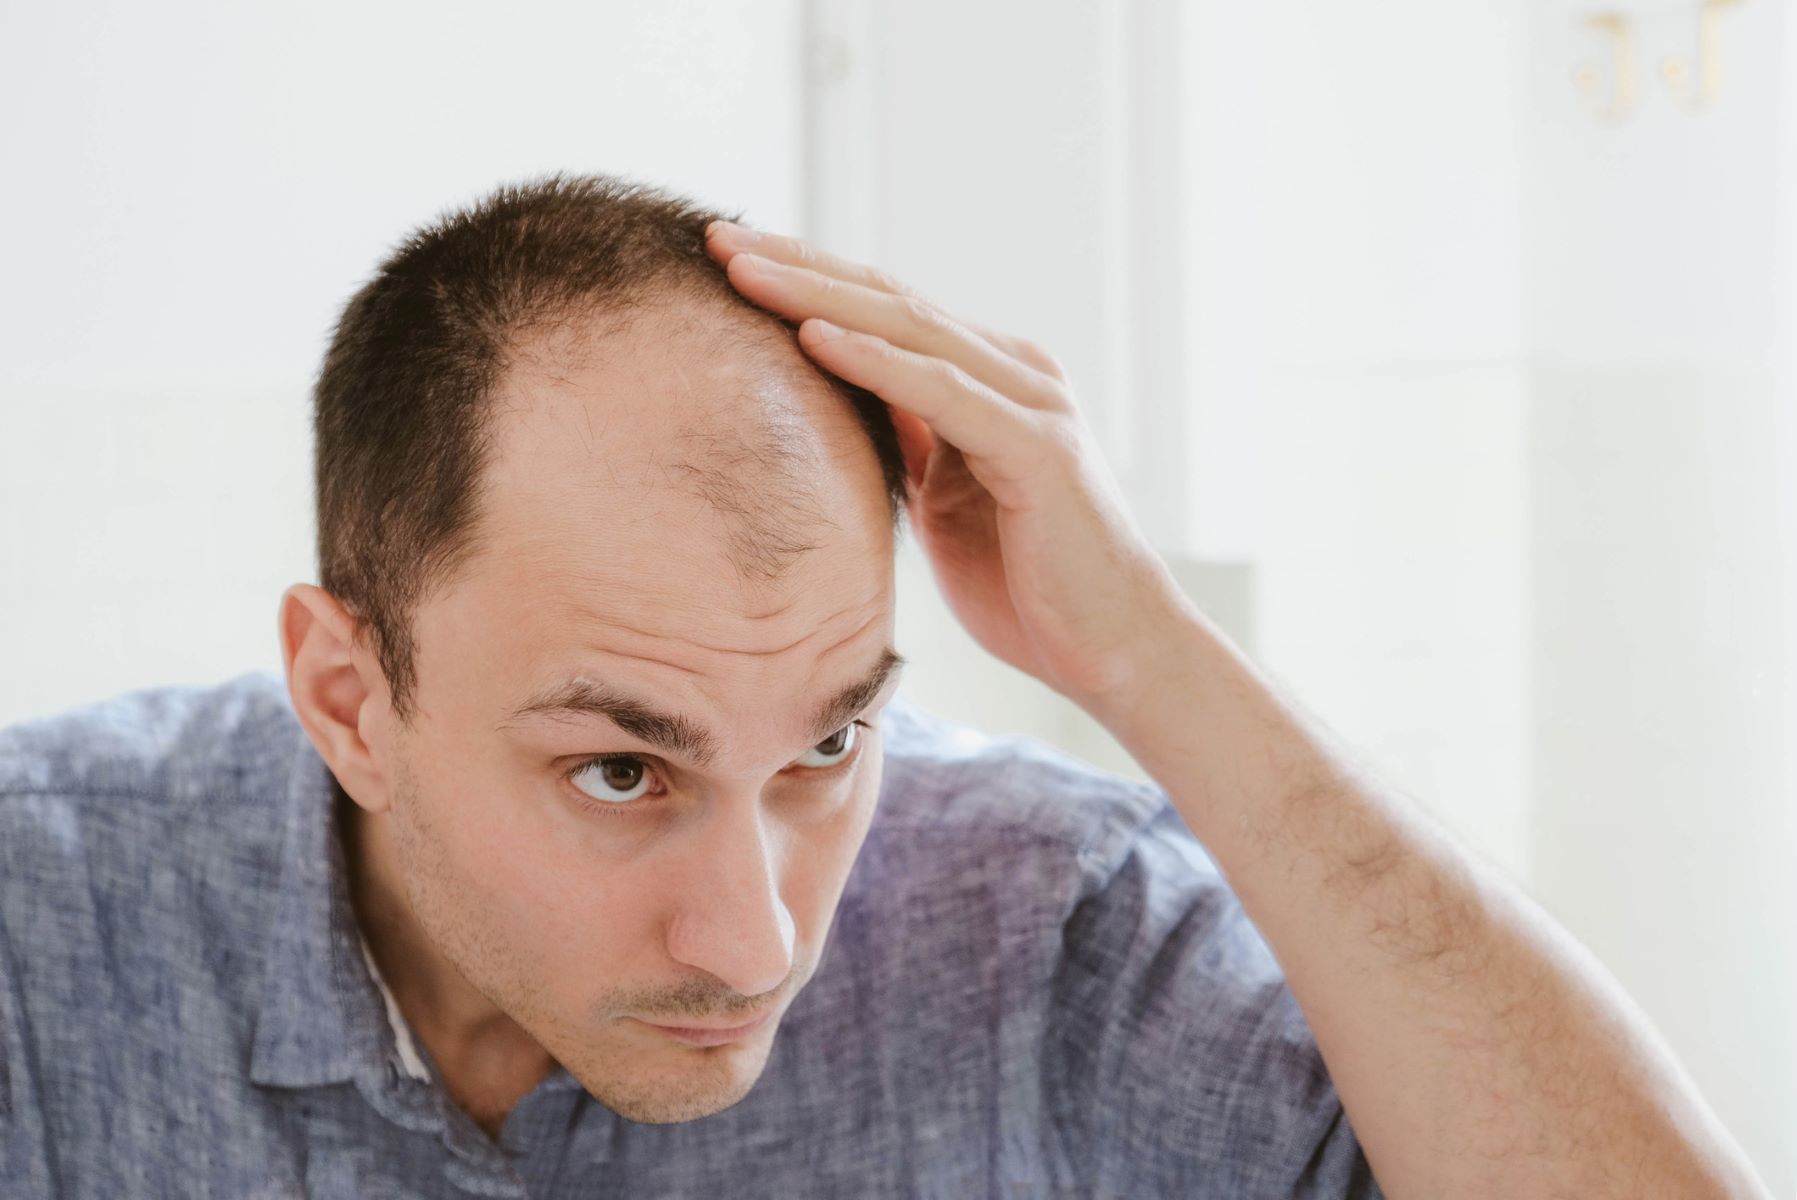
(456, 1022)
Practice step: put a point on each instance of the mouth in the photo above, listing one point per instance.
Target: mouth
(711, 1035)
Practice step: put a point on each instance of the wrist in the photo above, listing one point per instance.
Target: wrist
(1156, 666)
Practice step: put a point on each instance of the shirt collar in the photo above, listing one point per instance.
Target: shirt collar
(322, 1019)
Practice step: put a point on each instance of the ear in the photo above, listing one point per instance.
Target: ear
(338, 693)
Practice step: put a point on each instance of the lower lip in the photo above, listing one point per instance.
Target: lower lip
(710, 1037)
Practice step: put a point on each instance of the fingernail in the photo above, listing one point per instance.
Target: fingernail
(823, 331)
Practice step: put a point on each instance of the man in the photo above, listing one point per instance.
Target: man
(588, 849)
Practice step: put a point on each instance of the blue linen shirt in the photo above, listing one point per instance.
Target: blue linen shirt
(1037, 984)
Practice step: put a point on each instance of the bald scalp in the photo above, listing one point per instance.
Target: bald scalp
(759, 458)
(758, 477)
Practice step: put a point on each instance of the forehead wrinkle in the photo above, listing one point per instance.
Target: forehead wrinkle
(660, 662)
(661, 636)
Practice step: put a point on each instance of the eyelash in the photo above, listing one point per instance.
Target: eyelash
(613, 810)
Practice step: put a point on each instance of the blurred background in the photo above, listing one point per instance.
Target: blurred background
(1444, 346)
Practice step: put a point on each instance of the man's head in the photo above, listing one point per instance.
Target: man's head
(578, 498)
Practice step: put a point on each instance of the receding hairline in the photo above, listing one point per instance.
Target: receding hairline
(759, 475)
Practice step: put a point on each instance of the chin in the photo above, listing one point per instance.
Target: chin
(677, 1114)
(682, 1083)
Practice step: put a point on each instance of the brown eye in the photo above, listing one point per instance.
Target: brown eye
(614, 780)
(836, 748)
(621, 773)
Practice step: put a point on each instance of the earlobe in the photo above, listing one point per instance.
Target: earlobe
(328, 690)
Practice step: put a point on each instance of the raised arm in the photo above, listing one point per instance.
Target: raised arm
(1477, 1048)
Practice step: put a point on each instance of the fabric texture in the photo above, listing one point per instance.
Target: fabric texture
(1036, 984)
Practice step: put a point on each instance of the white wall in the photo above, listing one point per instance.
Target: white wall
(1663, 545)
(1357, 357)
(193, 191)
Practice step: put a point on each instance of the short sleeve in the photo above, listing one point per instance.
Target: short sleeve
(1177, 1060)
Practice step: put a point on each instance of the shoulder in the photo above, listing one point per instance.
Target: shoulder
(140, 856)
(1132, 915)
(143, 822)
(1137, 958)
(160, 805)
(163, 747)
(948, 779)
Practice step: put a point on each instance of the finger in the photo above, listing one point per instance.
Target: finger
(959, 409)
(725, 239)
(905, 321)
(1023, 350)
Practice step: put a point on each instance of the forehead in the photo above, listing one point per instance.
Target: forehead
(672, 483)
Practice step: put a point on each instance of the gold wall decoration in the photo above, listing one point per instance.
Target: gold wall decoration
(1611, 84)
(1610, 89)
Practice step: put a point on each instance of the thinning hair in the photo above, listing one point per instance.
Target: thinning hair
(403, 412)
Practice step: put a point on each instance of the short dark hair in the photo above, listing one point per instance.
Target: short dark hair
(401, 406)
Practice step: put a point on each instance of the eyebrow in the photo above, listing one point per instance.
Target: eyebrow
(581, 698)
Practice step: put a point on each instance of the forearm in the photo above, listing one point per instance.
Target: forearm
(1478, 1049)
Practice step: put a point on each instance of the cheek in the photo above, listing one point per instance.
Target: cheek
(867, 794)
(567, 928)
(511, 869)
(825, 854)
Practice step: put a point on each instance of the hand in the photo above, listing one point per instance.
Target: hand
(1020, 518)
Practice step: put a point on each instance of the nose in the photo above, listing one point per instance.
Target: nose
(730, 919)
